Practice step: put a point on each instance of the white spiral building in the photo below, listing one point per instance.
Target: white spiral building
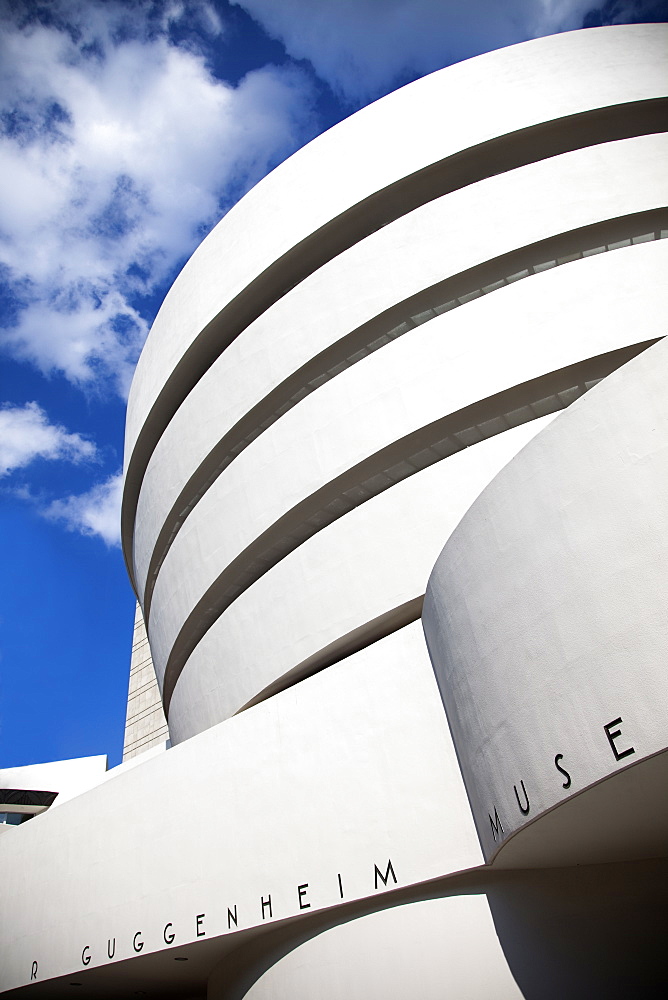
(356, 353)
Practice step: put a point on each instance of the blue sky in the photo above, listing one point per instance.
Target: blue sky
(127, 129)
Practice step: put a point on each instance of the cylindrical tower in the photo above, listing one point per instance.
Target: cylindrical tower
(367, 338)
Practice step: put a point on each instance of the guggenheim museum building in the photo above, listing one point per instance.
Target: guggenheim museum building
(396, 516)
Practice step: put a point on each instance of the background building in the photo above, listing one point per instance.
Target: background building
(394, 342)
(145, 723)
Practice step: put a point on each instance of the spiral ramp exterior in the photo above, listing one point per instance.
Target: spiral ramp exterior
(438, 324)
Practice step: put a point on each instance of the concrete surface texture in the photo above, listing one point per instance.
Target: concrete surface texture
(389, 350)
(546, 624)
(145, 723)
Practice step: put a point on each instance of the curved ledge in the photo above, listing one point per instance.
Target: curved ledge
(376, 558)
(466, 167)
(535, 83)
(546, 611)
(353, 642)
(530, 329)
(590, 828)
(420, 308)
(402, 458)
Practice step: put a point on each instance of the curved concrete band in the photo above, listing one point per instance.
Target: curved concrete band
(542, 109)
(545, 620)
(326, 611)
(317, 402)
(364, 410)
(257, 377)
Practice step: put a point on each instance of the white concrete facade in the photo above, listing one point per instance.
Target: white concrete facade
(386, 348)
(565, 667)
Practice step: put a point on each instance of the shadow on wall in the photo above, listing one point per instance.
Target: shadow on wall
(580, 933)
(585, 932)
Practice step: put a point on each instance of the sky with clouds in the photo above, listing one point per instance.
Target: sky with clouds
(127, 129)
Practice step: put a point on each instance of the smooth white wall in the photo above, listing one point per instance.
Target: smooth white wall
(65, 777)
(427, 951)
(346, 770)
(545, 616)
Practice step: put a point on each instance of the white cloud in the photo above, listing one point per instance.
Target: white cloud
(96, 512)
(26, 434)
(116, 156)
(362, 47)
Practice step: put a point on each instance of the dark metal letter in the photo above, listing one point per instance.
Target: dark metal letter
(200, 917)
(301, 889)
(231, 917)
(613, 736)
(562, 770)
(496, 825)
(523, 809)
(84, 957)
(377, 874)
(111, 952)
(166, 939)
(137, 945)
(266, 902)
